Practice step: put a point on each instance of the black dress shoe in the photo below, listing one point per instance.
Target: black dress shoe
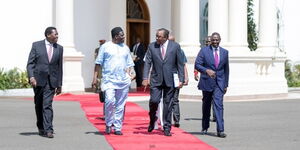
(167, 133)
(151, 125)
(49, 135)
(176, 124)
(107, 129)
(204, 131)
(150, 128)
(118, 133)
(213, 120)
(42, 132)
(221, 134)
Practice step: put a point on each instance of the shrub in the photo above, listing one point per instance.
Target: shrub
(13, 79)
(292, 74)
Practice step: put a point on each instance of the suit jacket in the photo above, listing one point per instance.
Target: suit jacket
(205, 60)
(39, 67)
(163, 69)
(140, 53)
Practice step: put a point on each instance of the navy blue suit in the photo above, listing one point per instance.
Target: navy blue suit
(213, 88)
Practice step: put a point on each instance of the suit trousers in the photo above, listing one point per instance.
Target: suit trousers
(176, 108)
(217, 96)
(138, 68)
(156, 92)
(115, 100)
(43, 98)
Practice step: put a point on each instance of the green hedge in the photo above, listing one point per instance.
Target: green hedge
(13, 79)
(292, 74)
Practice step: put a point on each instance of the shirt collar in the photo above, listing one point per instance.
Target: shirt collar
(47, 42)
(166, 44)
(213, 48)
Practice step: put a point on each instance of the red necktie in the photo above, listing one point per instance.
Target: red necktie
(162, 52)
(50, 52)
(216, 58)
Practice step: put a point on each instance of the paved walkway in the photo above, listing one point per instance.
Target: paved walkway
(261, 125)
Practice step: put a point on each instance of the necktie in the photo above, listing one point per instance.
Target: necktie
(50, 52)
(216, 58)
(162, 52)
(135, 49)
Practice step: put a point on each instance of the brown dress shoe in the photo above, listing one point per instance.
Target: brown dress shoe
(176, 124)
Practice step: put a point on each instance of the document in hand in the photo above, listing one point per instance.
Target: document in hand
(176, 80)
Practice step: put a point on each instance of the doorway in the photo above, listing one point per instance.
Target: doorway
(138, 22)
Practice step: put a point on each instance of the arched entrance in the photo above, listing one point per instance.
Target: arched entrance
(203, 21)
(138, 22)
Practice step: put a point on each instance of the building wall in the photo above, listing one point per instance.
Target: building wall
(25, 23)
(160, 15)
(291, 30)
(91, 23)
(21, 24)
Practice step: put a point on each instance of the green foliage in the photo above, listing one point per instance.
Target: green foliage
(252, 35)
(292, 74)
(13, 79)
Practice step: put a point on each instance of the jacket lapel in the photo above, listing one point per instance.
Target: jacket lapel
(221, 56)
(211, 56)
(55, 52)
(158, 51)
(168, 50)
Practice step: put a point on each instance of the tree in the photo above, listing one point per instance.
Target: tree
(252, 34)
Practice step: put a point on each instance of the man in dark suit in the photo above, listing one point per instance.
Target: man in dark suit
(213, 63)
(45, 71)
(138, 51)
(165, 58)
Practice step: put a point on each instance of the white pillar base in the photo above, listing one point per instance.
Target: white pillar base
(257, 75)
(251, 75)
(72, 77)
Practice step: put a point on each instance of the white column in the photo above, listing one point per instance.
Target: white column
(238, 26)
(72, 79)
(117, 13)
(267, 27)
(218, 19)
(189, 27)
(185, 26)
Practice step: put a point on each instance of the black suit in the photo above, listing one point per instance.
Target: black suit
(139, 52)
(48, 76)
(161, 78)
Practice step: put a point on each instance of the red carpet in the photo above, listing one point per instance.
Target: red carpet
(135, 128)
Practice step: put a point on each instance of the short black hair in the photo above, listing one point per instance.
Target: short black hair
(166, 32)
(115, 31)
(49, 30)
(216, 33)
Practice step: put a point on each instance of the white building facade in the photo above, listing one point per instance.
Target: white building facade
(81, 24)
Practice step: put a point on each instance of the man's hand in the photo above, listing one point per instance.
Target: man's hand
(145, 82)
(32, 82)
(180, 84)
(186, 81)
(211, 73)
(58, 90)
(94, 83)
(196, 77)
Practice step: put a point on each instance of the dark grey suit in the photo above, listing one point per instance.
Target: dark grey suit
(48, 76)
(161, 78)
